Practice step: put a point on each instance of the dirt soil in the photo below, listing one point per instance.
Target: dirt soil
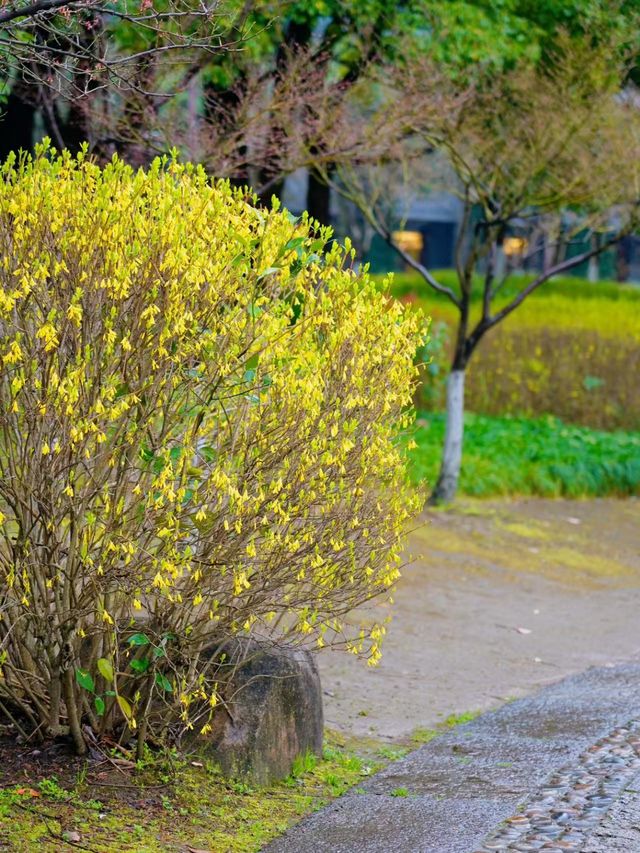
(502, 597)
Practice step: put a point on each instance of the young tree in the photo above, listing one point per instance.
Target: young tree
(543, 155)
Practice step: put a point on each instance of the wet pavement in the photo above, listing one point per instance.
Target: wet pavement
(548, 772)
(619, 831)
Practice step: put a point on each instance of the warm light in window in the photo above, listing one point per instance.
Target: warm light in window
(514, 246)
(409, 241)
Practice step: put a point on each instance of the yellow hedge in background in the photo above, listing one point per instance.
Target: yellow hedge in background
(574, 358)
(199, 413)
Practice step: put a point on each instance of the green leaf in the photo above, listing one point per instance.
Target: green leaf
(140, 665)
(207, 453)
(85, 680)
(100, 706)
(295, 243)
(139, 640)
(254, 311)
(163, 682)
(147, 454)
(105, 669)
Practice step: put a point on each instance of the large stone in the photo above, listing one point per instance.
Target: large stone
(273, 714)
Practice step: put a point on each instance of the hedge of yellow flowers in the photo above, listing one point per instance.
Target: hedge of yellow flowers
(199, 419)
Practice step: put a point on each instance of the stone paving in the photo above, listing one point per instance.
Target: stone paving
(575, 799)
(540, 773)
(619, 832)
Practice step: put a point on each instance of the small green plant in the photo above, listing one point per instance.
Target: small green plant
(454, 720)
(302, 764)
(392, 753)
(400, 792)
(239, 787)
(51, 789)
(422, 736)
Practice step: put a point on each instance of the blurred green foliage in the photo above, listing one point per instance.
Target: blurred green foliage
(543, 456)
(464, 34)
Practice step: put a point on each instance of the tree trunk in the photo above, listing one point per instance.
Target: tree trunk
(447, 484)
(17, 123)
(593, 267)
(318, 200)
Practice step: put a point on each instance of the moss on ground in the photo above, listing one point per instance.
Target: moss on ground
(481, 537)
(184, 805)
(177, 806)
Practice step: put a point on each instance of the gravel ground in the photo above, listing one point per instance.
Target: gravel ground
(503, 597)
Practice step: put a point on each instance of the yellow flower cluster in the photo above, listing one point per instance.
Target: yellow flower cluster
(199, 410)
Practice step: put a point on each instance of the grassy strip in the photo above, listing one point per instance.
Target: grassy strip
(543, 456)
(608, 308)
(572, 287)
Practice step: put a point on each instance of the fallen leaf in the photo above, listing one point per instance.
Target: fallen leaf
(29, 791)
(123, 762)
(72, 836)
(197, 850)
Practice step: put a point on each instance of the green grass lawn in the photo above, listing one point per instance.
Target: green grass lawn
(542, 456)
(571, 287)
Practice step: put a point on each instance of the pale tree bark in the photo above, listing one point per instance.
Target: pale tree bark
(446, 487)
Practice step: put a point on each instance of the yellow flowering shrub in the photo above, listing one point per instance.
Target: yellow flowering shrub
(199, 411)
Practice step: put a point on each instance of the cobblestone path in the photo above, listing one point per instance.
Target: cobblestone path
(552, 772)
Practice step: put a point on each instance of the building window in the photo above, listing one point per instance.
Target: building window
(514, 246)
(410, 242)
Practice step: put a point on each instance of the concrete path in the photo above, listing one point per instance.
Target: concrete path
(452, 795)
(503, 598)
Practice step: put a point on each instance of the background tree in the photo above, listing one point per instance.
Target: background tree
(57, 57)
(539, 154)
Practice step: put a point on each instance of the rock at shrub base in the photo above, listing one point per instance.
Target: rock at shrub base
(274, 713)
